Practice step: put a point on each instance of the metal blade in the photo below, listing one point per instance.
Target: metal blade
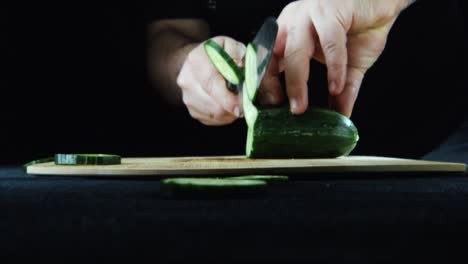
(264, 43)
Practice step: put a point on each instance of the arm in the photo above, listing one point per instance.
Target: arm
(169, 43)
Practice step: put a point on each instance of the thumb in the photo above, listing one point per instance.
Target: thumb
(234, 48)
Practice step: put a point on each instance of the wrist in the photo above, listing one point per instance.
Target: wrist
(178, 58)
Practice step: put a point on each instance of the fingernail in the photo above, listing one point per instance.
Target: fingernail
(294, 105)
(237, 111)
(332, 87)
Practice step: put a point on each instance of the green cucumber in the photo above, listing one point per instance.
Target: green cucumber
(87, 159)
(276, 133)
(226, 66)
(211, 187)
(317, 133)
(270, 179)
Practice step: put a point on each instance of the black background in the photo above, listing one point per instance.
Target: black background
(74, 80)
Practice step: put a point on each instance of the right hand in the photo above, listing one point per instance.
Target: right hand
(204, 90)
(347, 36)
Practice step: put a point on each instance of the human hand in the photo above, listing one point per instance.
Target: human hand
(346, 35)
(204, 90)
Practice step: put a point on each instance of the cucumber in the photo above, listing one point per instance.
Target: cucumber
(87, 159)
(226, 66)
(211, 187)
(269, 179)
(317, 133)
(276, 133)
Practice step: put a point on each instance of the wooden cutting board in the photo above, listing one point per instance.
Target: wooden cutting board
(236, 165)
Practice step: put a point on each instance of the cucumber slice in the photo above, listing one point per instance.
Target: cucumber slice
(226, 66)
(251, 72)
(269, 179)
(250, 111)
(211, 187)
(87, 159)
(38, 161)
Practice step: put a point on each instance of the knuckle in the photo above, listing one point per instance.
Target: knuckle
(290, 7)
(183, 77)
(218, 113)
(190, 57)
(335, 67)
(186, 99)
(330, 46)
(291, 54)
(209, 87)
(181, 80)
(230, 103)
(205, 122)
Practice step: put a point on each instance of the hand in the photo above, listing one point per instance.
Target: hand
(204, 90)
(346, 35)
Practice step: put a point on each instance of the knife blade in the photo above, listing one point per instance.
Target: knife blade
(264, 42)
(258, 56)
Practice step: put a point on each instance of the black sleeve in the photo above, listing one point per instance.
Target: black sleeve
(155, 10)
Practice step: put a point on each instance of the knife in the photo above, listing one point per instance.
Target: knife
(258, 56)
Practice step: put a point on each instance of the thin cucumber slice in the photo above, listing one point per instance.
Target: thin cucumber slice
(87, 159)
(211, 187)
(38, 161)
(250, 111)
(270, 179)
(224, 63)
(251, 72)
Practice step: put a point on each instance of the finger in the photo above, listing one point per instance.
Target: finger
(204, 119)
(344, 102)
(199, 103)
(235, 49)
(271, 92)
(298, 51)
(333, 45)
(203, 108)
(286, 16)
(215, 86)
(280, 43)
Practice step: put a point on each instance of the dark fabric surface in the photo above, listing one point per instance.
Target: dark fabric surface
(454, 149)
(346, 219)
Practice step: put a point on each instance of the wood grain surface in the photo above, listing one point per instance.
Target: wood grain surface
(235, 165)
